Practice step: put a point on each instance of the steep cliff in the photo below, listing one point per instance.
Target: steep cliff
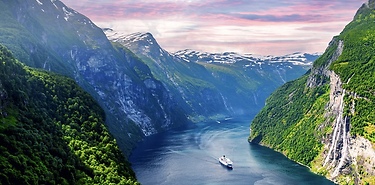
(49, 35)
(142, 88)
(211, 84)
(325, 119)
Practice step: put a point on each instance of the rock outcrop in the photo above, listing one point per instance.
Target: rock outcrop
(319, 74)
(346, 157)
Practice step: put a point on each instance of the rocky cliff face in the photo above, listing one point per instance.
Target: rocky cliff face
(49, 35)
(325, 119)
(190, 83)
(320, 73)
(207, 85)
(345, 156)
(336, 155)
(142, 88)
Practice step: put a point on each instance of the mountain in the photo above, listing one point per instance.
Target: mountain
(282, 66)
(214, 85)
(295, 59)
(47, 34)
(142, 88)
(52, 132)
(325, 119)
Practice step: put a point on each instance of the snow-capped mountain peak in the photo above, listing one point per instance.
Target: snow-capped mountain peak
(134, 37)
(298, 58)
(141, 41)
(146, 44)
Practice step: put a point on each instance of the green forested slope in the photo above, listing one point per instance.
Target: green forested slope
(289, 120)
(294, 120)
(356, 67)
(52, 132)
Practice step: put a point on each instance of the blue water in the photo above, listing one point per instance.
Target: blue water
(190, 155)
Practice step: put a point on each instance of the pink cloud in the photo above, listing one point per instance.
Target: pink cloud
(130, 10)
(313, 11)
(273, 47)
(317, 11)
(308, 25)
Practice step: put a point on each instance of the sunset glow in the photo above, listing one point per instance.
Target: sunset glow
(260, 27)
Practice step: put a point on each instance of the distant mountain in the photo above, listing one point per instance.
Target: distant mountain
(52, 132)
(252, 62)
(142, 89)
(209, 85)
(325, 119)
(297, 59)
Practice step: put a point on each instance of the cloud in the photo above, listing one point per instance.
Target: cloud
(250, 26)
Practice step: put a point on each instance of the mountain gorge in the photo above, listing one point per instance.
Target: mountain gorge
(325, 119)
(212, 85)
(141, 89)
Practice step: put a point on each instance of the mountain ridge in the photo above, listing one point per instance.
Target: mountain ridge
(181, 73)
(142, 88)
(49, 35)
(233, 57)
(147, 37)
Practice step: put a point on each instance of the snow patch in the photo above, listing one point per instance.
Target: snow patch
(53, 2)
(67, 14)
(298, 59)
(40, 3)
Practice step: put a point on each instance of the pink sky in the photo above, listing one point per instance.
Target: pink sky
(267, 27)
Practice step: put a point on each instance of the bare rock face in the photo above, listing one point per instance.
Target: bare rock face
(345, 157)
(362, 156)
(337, 157)
(54, 37)
(317, 75)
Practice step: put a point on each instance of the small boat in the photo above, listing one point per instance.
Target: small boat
(226, 161)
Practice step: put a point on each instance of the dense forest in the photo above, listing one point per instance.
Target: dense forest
(52, 132)
(292, 124)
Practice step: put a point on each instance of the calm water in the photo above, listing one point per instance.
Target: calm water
(190, 156)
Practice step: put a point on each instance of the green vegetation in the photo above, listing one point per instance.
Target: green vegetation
(52, 132)
(293, 121)
(229, 74)
(289, 121)
(356, 68)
